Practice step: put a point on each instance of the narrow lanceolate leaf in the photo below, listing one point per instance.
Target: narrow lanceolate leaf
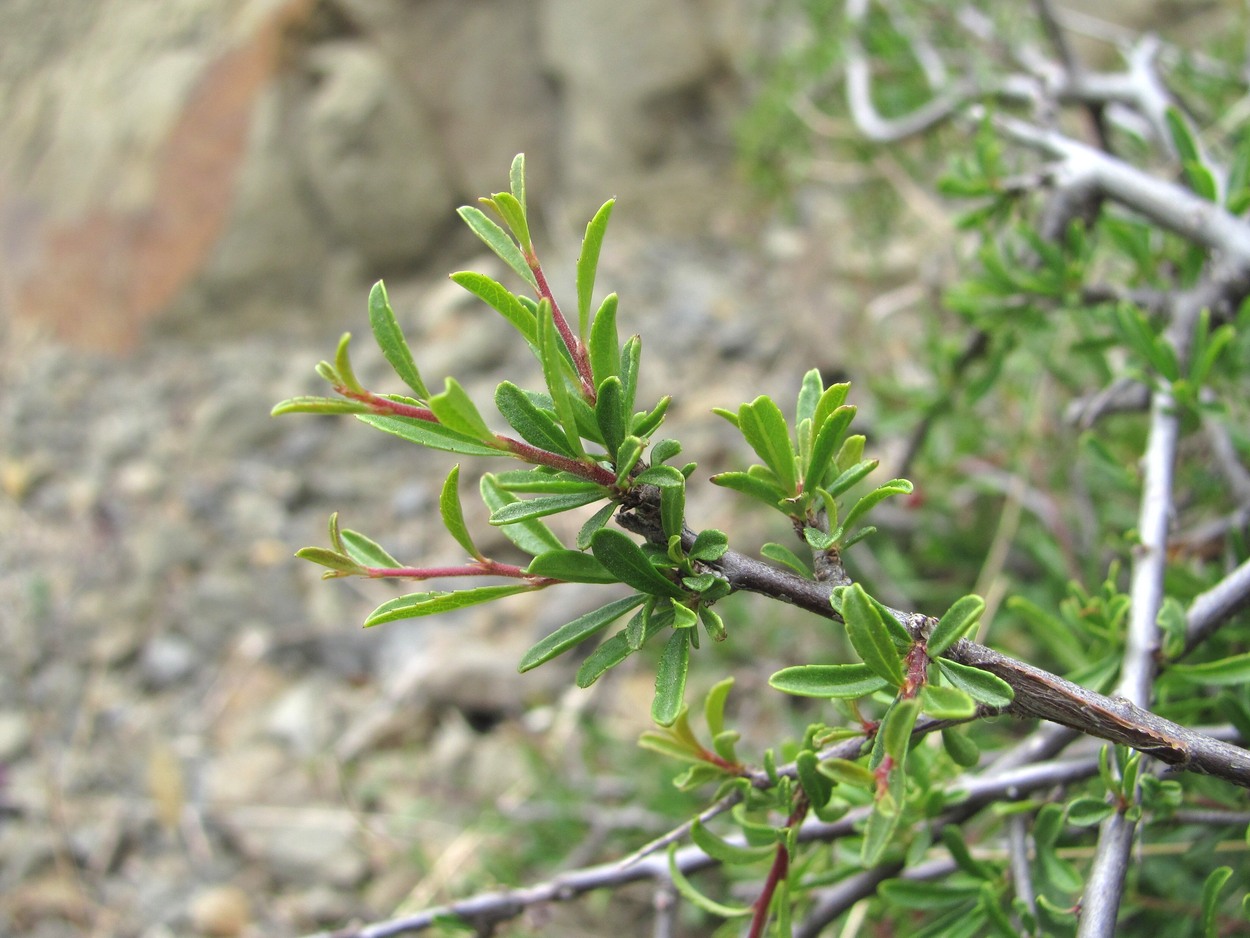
(670, 679)
(551, 351)
(896, 729)
(877, 835)
(498, 241)
(631, 358)
(452, 514)
(433, 435)
(714, 705)
(619, 647)
(830, 401)
(987, 688)
(723, 851)
(339, 563)
(510, 210)
(1231, 671)
(764, 427)
(870, 635)
(748, 484)
(570, 565)
(604, 346)
(531, 536)
(318, 405)
(577, 631)
(588, 262)
(343, 364)
(696, 898)
(616, 551)
(955, 623)
(882, 492)
(947, 703)
(611, 416)
(850, 476)
(535, 425)
(391, 341)
(820, 464)
(365, 550)
(415, 605)
(594, 523)
(542, 506)
(495, 295)
(516, 179)
(672, 486)
(810, 391)
(1211, 889)
(456, 411)
(828, 680)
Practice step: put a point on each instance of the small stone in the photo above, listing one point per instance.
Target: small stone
(14, 734)
(166, 660)
(220, 911)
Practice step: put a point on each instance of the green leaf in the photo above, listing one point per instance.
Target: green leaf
(947, 703)
(1231, 671)
(588, 262)
(516, 179)
(457, 412)
(542, 506)
(870, 636)
(552, 353)
(955, 623)
(513, 215)
(415, 605)
(1087, 812)
(366, 551)
(725, 852)
(696, 898)
(810, 392)
(882, 492)
(617, 648)
(820, 463)
(535, 425)
(391, 341)
(595, 523)
(828, 680)
(896, 728)
(644, 425)
(783, 555)
(670, 678)
(627, 458)
(713, 623)
(498, 241)
(663, 451)
(343, 365)
(877, 835)
(846, 772)
(1211, 888)
(498, 297)
(764, 428)
(851, 476)
(433, 435)
(816, 784)
(631, 358)
(771, 495)
(714, 705)
(339, 563)
(672, 486)
(570, 565)
(577, 631)
(542, 480)
(604, 346)
(709, 545)
(619, 553)
(987, 688)
(913, 894)
(307, 404)
(453, 515)
(531, 536)
(611, 416)
(962, 750)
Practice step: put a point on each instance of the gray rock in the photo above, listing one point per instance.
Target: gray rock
(166, 660)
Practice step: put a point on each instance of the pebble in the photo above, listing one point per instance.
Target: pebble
(220, 911)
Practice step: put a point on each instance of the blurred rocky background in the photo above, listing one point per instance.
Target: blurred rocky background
(196, 737)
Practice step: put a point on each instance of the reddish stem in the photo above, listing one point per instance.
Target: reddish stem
(777, 872)
(581, 357)
(532, 454)
(477, 568)
(386, 406)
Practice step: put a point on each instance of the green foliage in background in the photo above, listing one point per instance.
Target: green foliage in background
(1085, 369)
